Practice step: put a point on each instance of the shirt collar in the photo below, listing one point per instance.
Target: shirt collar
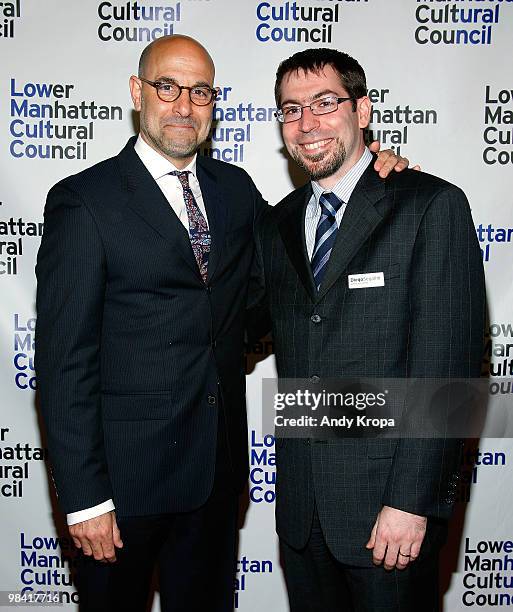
(156, 164)
(345, 187)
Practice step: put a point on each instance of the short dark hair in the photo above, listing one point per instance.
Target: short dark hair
(350, 72)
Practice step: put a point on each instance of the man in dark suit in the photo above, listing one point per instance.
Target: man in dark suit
(140, 341)
(143, 279)
(347, 506)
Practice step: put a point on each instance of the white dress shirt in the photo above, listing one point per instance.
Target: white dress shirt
(343, 190)
(159, 168)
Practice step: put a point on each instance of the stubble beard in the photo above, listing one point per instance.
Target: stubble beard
(168, 146)
(320, 166)
(173, 148)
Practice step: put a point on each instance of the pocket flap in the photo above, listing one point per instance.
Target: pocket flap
(381, 449)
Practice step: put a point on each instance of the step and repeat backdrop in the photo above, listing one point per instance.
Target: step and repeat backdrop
(440, 79)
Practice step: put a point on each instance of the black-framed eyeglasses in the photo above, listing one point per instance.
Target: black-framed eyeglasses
(322, 106)
(168, 91)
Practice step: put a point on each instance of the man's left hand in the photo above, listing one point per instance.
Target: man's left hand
(396, 538)
(388, 161)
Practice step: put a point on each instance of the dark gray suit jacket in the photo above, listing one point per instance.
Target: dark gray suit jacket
(426, 321)
(134, 351)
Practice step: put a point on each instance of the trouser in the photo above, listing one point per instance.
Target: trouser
(317, 582)
(195, 553)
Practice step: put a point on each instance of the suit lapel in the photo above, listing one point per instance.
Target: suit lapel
(216, 213)
(360, 219)
(147, 200)
(292, 230)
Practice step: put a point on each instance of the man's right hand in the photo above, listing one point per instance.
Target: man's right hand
(98, 537)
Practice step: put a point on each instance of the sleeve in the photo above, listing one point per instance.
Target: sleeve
(258, 318)
(447, 314)
(71, 275)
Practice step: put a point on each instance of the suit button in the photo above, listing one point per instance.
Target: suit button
(208, 288)
(315, 379)
(315, 318)
(211, 399)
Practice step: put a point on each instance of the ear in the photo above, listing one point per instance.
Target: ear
(135, 92)
(363, 108)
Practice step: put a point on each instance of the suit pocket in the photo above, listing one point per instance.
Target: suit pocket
(381, 449)
(138, 407)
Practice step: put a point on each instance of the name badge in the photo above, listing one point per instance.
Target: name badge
(371, 279)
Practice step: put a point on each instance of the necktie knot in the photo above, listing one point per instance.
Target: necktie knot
(183, 177)
(330, 203)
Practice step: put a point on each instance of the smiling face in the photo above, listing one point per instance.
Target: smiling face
(174, 129)
(325, 146)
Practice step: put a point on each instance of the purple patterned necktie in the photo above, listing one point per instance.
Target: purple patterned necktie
(199, 233)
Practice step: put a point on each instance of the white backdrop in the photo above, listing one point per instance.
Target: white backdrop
(442, 87)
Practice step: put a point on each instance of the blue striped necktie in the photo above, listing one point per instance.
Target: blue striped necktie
(325, 235)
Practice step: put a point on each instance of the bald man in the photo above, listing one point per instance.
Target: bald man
(142, 290)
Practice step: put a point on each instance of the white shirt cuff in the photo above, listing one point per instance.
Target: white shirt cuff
(89, 513)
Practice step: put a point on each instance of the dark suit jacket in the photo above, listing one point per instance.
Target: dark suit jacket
(134, 351)
(426, 321)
